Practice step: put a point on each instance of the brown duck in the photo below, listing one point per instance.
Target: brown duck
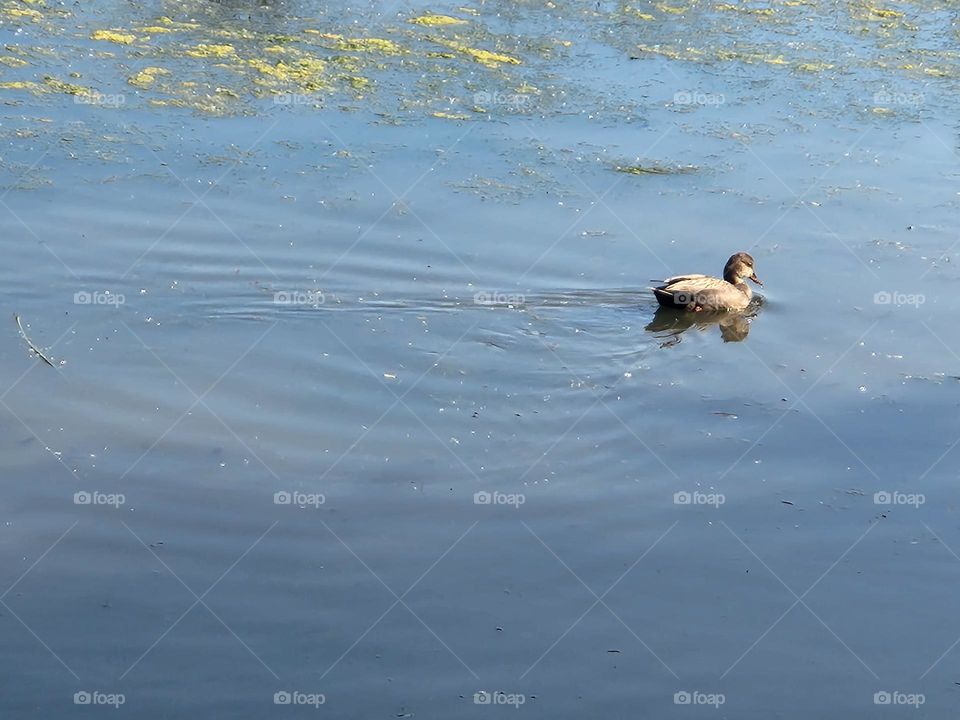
(702, 292)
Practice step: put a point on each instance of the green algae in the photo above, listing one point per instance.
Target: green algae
(147, 77)
(19, 12)
(29, 85)
(656, 169)
(437, 20)
(305, 74)
(49, 84)
(449, 115)
(202, 59)
(206, 50)
(485, 57)
(360, 44)
(114, 36)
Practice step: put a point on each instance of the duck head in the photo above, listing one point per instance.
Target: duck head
(740, 267)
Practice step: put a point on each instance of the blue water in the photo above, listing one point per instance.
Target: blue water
(378, 312)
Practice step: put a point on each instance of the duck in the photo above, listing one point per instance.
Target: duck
(697, 293)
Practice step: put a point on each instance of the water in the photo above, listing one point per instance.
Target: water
(377, 278)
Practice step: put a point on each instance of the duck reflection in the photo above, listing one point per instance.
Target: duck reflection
(668, 324)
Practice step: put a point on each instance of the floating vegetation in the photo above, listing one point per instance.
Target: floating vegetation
(454, 64)
(67, 88)
(30, 344)
(48, 85)
(306, 73)
(814, 67)
(656, 169)
(484, 57)
(211, 51)
(884, 12)
(435, 20)
(758, 11)
(671, 53)
(34, 87)
(147, 77)
(24, 13)
(114, 36)
(380, 45)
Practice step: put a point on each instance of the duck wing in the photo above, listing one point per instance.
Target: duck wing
(678, 278)
(700, 292)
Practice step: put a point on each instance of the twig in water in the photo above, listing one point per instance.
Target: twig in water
(30, 342)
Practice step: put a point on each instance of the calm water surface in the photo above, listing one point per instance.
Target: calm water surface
(356, 395)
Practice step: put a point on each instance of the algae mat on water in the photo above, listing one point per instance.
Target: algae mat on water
(218, 61)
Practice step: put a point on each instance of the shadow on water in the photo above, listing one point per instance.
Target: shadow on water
(669, 324)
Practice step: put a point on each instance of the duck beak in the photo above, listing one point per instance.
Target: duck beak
(756, 279)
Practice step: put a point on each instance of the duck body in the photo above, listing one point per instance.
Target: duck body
(698, 293)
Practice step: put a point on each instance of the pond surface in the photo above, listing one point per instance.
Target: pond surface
(357, 394)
